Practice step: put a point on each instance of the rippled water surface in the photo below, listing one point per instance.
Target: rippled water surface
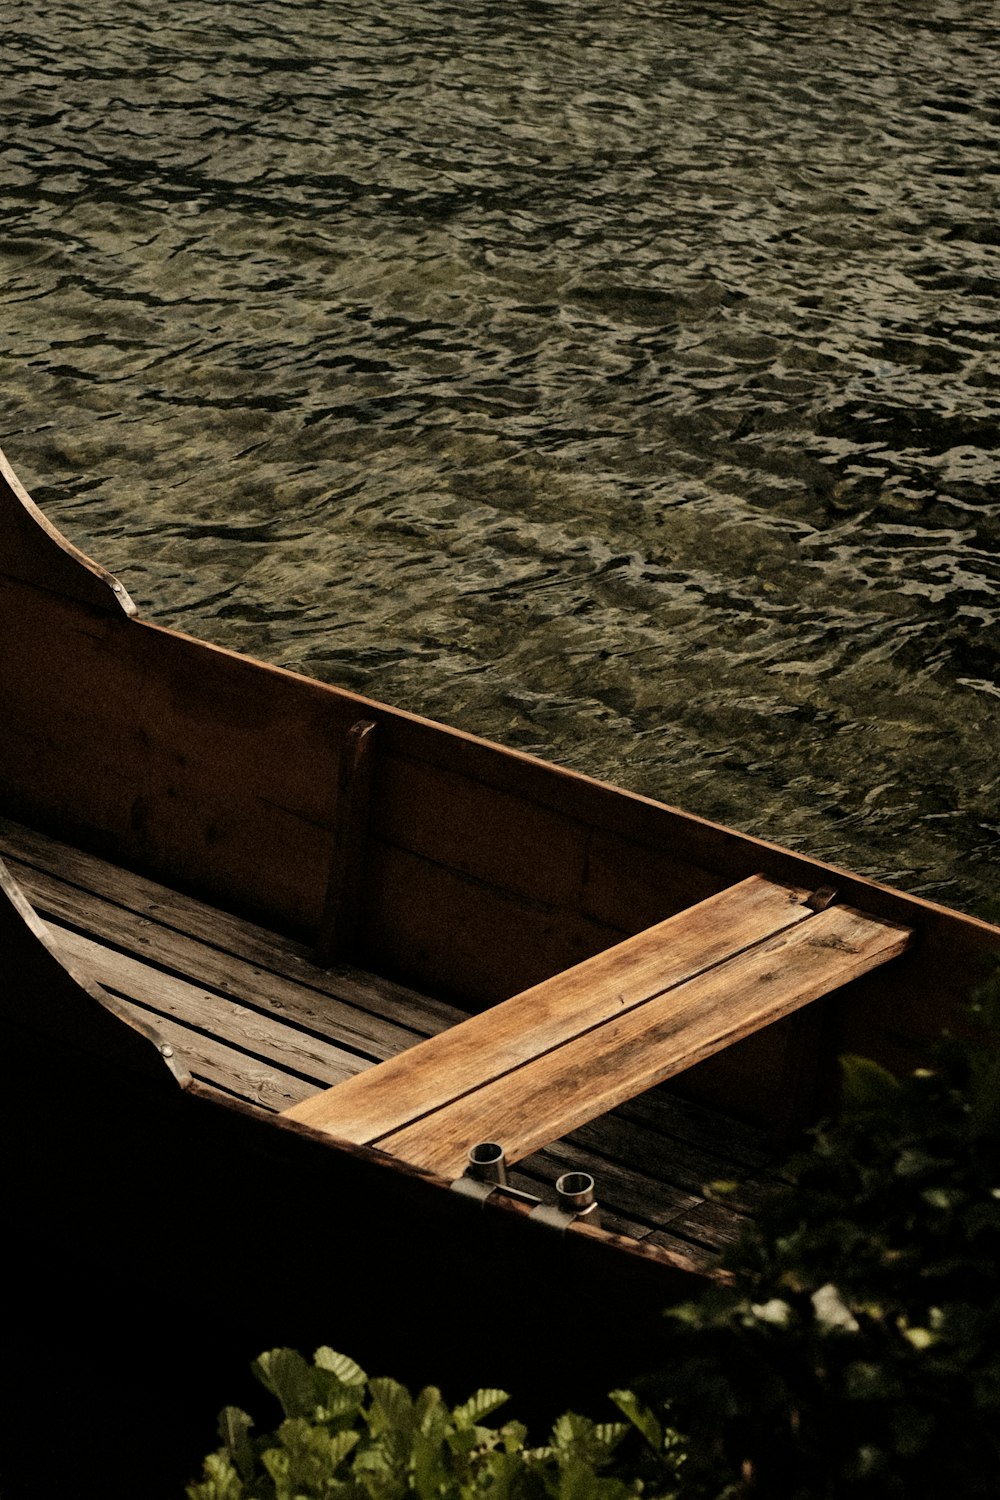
(617, 379)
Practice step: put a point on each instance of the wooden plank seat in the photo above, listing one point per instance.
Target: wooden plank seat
(573, 1047)
(249, 1013)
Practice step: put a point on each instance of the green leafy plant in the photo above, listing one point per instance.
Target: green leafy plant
(857, 1351)
(354, 1438)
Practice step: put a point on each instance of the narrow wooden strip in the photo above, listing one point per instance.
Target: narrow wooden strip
(225, 1067)
(550, 1014)
(554, 1094)
(672, 1163)
(218, 929)
(218, 1015)
(708, 1223)
(147, 940)
(625, 1189)
(337, 933)
(728, 1139)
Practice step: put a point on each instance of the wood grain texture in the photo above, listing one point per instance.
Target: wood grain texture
(224, 974)
(223, 1067)
(337, 934)
(126, 908)
(271, 1052)
(627, 1055)
(256, 1035)
(490, 1045)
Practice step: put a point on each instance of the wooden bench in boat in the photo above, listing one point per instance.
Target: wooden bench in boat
(575, 1046)
(249, 1014)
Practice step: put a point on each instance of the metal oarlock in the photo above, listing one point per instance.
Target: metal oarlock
(575, 1201)
(485, 1172)
(487, 1163)
(575, 1194)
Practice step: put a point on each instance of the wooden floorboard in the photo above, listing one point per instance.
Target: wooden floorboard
(33, 855)
(254, 1080)
(249, 1031)
(251, 1015)
(173, 953)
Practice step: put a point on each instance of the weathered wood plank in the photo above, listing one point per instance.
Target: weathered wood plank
(223, 973)
(338, 926)
(249, 1079)
(608, 985)
(644, 1200)
(37, 855)
(666, 1160)
(260, 1036)
(576, 1082)
(711, 1224)
(690, 1123)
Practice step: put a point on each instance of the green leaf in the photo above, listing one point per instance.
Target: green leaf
(513, 1435)
(569, 1430)
(234, 1431)
(392, 1405)
(286, 1375)
(430, 1415)
(610, 1434)
(429, 1467)
(831, 1311)
(478, 1406)
(338, 1364)
(221, 1481)
(382, 1467)
(866, 1085)
(640, 1416)
(340, 1444)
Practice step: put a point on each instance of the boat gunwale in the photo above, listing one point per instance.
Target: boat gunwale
(535, 777)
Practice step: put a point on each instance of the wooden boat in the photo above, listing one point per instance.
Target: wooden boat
(286, 968)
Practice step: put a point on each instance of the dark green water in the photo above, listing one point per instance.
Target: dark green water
(617, 380)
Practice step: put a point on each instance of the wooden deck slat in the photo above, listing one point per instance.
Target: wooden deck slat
(36, 855)
(550, 1015)
(684, 1121)
(708, 1223)
(173, 952)
(564, 1088)
(220, 1016)
(646, 1199)
(663, 1160)
(252, 1079)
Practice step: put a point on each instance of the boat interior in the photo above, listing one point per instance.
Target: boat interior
(252, 1014)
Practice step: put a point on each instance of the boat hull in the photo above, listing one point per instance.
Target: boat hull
(159, 1218)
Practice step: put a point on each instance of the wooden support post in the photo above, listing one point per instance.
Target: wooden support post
(342, 906)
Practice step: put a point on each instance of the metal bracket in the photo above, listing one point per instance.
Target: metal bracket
(470, 1187)
(486, 1174)
(821, 898)
(575, 1201)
